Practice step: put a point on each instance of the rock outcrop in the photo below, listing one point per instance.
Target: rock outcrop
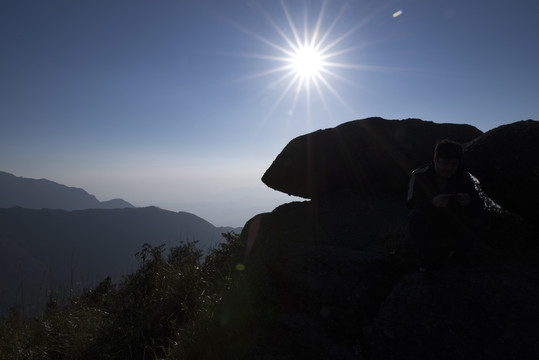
(370, 157)
(336, 278)
(320, 266)
(482, 313)
(505, 161)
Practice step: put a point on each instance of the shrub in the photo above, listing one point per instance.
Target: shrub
(155, 312)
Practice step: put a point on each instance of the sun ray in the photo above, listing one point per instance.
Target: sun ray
(291, 24)
(321, 95)
(283, 95)
(317, 28)
(265, 40)
(335, 93)
(308, 55)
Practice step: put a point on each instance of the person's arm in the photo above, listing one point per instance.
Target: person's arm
(417, 198)
(466, 191)
(463, 199)
(441, 200)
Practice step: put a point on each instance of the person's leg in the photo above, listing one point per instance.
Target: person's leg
(467, 230)
(421, 229)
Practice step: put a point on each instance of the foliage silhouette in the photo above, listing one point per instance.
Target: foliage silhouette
(158, 311)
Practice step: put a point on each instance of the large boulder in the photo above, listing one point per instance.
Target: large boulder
(505, 162)
(369, 157)
(322, 271)
(481, 313)
(326, 279)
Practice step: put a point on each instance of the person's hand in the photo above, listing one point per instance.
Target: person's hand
(463, 199)
(440, 200)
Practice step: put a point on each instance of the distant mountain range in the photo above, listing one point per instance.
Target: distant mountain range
(45, 245)
(46, 194)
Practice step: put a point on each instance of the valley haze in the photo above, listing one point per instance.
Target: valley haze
(229, 208)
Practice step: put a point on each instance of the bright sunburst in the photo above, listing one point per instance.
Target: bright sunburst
(307, 59)
(307, 62)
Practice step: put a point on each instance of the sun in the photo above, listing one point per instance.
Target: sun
(307, 62)
(307, 56)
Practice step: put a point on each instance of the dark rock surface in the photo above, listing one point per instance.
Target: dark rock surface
(505, 161)
(370, 157)
(336, 277)
(481, 313)
(318, 267)
(342, 283)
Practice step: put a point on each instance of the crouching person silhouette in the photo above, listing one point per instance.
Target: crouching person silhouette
(446, 213)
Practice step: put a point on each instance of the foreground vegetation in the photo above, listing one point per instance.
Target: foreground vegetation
(172, 307)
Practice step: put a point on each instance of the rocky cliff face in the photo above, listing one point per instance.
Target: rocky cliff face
(335, 277)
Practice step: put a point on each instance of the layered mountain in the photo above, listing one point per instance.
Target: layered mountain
(45, 194)
(59, 239)
(63, 252)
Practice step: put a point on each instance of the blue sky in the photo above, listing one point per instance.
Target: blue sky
(181, 104)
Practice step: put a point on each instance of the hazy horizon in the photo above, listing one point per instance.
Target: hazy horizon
(232, 207)
(182, 103)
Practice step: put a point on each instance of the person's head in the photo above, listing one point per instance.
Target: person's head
(447, 158)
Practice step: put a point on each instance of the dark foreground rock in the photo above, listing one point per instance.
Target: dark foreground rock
(336, 277)
(480, 313)
(505, 161)
(342, 283)
(321, 270)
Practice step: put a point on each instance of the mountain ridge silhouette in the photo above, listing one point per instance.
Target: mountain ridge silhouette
(44, 250)
(46, 194)
(60, 239)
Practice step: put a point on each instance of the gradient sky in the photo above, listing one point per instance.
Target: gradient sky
(184, 104)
